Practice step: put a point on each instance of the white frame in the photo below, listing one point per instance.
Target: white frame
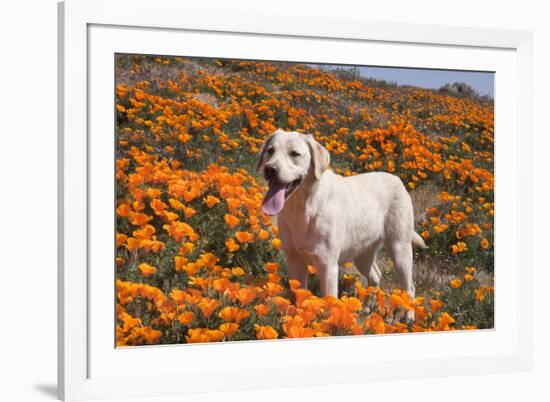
(75, 16)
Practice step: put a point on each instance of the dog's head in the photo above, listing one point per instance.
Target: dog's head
(287, 159)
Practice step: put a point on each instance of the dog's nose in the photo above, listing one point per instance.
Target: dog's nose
(271, 172)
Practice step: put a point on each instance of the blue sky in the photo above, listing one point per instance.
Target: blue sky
(483, 82)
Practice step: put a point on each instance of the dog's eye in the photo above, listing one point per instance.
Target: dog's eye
(270, 151)
(294, 154)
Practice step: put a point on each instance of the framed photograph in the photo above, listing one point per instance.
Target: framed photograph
(253, 201)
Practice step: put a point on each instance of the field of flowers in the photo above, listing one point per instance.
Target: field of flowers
(197, 261)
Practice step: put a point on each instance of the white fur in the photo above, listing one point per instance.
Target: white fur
(331, 219)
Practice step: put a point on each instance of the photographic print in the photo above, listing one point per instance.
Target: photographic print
(262, 200)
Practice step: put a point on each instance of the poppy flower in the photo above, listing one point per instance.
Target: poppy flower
(456, 283)
(273, 289)
(233, 314)
(246, 296)
(229, 328)
(272, 267)
(237, 271)
(261, 309)
(121, 239)
(208, 306)
(244, 237)
(232, 245)
(459, 247)
(435, 305)
(147, 269)
(480, 294)
(265, 332)
(186, 317)
(231, 220)
(276, 243)
(263, 234)
(211, 201)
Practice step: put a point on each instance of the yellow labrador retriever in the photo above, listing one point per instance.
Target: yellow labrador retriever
(326, 219)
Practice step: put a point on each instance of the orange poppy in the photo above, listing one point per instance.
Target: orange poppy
(265, 332)
(147, 269)
(186, 317)
(244, 237)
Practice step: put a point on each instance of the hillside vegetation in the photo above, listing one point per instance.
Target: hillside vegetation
(197, 261)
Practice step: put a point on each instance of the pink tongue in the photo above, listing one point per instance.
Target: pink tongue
(274, 200)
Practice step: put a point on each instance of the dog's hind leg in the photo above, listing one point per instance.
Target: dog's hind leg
(401, 253)
(375, 275)
(366, 264)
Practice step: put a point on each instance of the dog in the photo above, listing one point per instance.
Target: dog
(326, 219)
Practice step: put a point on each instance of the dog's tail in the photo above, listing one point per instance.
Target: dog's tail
(418, 241)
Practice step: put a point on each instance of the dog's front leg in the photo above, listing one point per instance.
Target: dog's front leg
(296, 267)
(328, 275)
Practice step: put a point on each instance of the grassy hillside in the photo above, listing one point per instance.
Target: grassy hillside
(197, 261)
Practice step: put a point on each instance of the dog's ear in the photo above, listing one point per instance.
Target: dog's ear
(320, 157)
(263, 149)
